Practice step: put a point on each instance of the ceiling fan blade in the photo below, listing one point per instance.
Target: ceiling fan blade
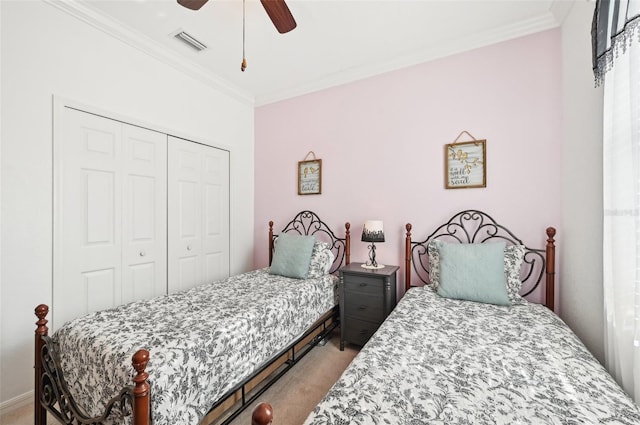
(280, 15)
(192, 4)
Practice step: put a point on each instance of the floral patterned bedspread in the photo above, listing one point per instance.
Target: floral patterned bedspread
(443, 361)
(202, 341)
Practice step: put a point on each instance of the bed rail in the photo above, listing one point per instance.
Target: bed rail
(473, 226)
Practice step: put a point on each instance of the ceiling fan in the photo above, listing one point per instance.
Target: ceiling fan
(277, 10)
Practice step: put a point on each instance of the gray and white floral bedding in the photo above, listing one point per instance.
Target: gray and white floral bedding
(202, 342)
(443, 361)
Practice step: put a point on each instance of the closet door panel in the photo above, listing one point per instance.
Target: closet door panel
(184, 215)
(144, 227)
(88, 223)
(198, 214)
(109, 214)
(216, 213)
(188, 273)
(99, 289)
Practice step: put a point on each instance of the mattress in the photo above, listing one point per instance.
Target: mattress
(202, 341)
(442, 361)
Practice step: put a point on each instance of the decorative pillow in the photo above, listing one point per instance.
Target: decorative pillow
(513, 256)
(321, 260)
(473, 272)
(292, 255)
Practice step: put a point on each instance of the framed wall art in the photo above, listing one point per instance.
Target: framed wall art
(310, 177)
(465, 164)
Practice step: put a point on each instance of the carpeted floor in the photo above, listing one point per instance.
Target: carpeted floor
(293, 397)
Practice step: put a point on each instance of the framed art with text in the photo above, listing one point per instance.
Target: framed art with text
(465, 165)
(310, 177)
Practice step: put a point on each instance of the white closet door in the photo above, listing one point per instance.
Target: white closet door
(106, 202)
(198, 214)
(144, 236)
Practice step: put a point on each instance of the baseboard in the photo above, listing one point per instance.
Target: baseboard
(16, 403)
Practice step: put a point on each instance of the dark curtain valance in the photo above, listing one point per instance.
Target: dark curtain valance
(615, 24)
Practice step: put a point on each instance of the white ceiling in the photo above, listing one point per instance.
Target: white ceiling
(336, 41)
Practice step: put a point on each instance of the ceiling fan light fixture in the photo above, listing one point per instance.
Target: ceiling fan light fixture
(190, 40)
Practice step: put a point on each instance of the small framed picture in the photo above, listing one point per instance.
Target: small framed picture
(465, 165)
(310, 177)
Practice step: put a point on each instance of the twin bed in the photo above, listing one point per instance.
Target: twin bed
(199, 351)
(449, 355)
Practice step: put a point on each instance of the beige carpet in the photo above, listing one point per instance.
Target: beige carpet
(293, 397)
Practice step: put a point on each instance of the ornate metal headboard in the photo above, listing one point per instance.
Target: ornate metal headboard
(308, 223)
(473, 226)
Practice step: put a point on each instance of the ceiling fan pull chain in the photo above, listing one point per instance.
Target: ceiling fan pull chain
(244, 60)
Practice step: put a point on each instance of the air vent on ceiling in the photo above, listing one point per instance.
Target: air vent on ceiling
(190, 40)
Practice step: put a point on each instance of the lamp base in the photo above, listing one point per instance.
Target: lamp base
(369, 266)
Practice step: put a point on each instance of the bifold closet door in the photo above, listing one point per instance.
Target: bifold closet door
(198, 214)
(109, 214)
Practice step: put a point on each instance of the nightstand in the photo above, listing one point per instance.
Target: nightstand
(367, 296)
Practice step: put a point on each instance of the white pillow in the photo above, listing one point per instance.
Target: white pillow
(321, 260)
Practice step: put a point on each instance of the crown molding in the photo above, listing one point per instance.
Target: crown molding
(148, 46)
(493, 36)
(558, 10)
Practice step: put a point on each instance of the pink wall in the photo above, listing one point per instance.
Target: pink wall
(381, 141)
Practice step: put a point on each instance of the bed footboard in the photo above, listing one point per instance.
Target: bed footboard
(52, 395)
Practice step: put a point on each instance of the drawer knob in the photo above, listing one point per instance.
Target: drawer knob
(362, 307)
(363, 284)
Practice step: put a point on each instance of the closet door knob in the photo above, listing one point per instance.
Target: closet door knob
(142, 253)
(188, 247)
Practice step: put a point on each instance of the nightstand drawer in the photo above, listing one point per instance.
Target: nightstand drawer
(359, 331)
(364, 306)
(362, 284)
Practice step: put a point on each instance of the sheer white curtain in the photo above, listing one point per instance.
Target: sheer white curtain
(621, 156)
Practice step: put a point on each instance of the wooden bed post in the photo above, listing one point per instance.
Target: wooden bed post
(407, 259)
(270, 241)
(551, 268)
(262, 414)
(141, 389)
(347, 243)
(39, 412)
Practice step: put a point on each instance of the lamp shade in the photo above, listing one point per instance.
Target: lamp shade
(372, 231)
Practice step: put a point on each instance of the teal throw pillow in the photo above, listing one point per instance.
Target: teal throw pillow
(292, 255)
(473, 272)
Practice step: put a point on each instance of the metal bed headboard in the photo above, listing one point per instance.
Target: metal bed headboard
(308, 223)
(474, 226)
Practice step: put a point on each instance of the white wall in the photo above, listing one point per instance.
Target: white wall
(47, 52)
(581, 299)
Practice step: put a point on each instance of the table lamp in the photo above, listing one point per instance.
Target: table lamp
(372, 232)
